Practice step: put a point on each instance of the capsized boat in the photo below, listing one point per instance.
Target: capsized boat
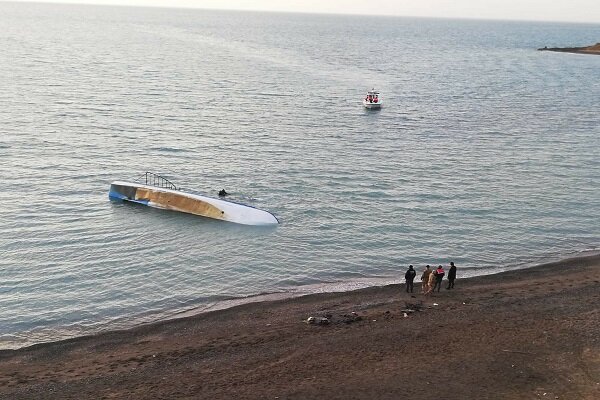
(156, 191)
(372, 99)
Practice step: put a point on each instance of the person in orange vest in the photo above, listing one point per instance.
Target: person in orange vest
(431, 282)
(439, 275)
(425, 279)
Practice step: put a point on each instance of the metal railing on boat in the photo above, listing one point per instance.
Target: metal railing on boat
(152, 179)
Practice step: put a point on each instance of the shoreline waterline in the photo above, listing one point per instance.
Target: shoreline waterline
(301, 291)
(499, 335)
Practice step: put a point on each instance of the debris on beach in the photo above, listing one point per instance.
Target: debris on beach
(350, 318)
(412, 307)
(327, 319)
(317, 321)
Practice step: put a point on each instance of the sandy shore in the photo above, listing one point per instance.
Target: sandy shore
(527, 334)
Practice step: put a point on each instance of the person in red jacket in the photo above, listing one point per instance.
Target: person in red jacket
(439, 275)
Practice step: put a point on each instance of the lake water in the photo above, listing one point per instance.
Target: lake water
(486, 153)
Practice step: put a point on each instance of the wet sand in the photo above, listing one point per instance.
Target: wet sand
(526, 334)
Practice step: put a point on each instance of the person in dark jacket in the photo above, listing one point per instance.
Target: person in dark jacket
(451, 276)
(410, 277)
(439, 275)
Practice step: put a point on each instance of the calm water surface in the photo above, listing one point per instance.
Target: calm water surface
(486, 153)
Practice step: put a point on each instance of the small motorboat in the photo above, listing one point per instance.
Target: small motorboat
(156, 191)
(372, 99)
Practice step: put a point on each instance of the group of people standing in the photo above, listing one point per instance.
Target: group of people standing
(431, 279)
(372, 99)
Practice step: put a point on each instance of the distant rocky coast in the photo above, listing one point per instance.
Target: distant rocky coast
(595, 49)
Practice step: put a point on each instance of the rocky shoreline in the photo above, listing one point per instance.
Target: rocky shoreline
(594, 49)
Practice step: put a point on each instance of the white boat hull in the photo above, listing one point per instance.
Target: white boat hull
(191, 203)
(368, 104)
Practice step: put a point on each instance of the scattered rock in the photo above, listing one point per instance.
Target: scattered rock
(350, 318)
(418, 306)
